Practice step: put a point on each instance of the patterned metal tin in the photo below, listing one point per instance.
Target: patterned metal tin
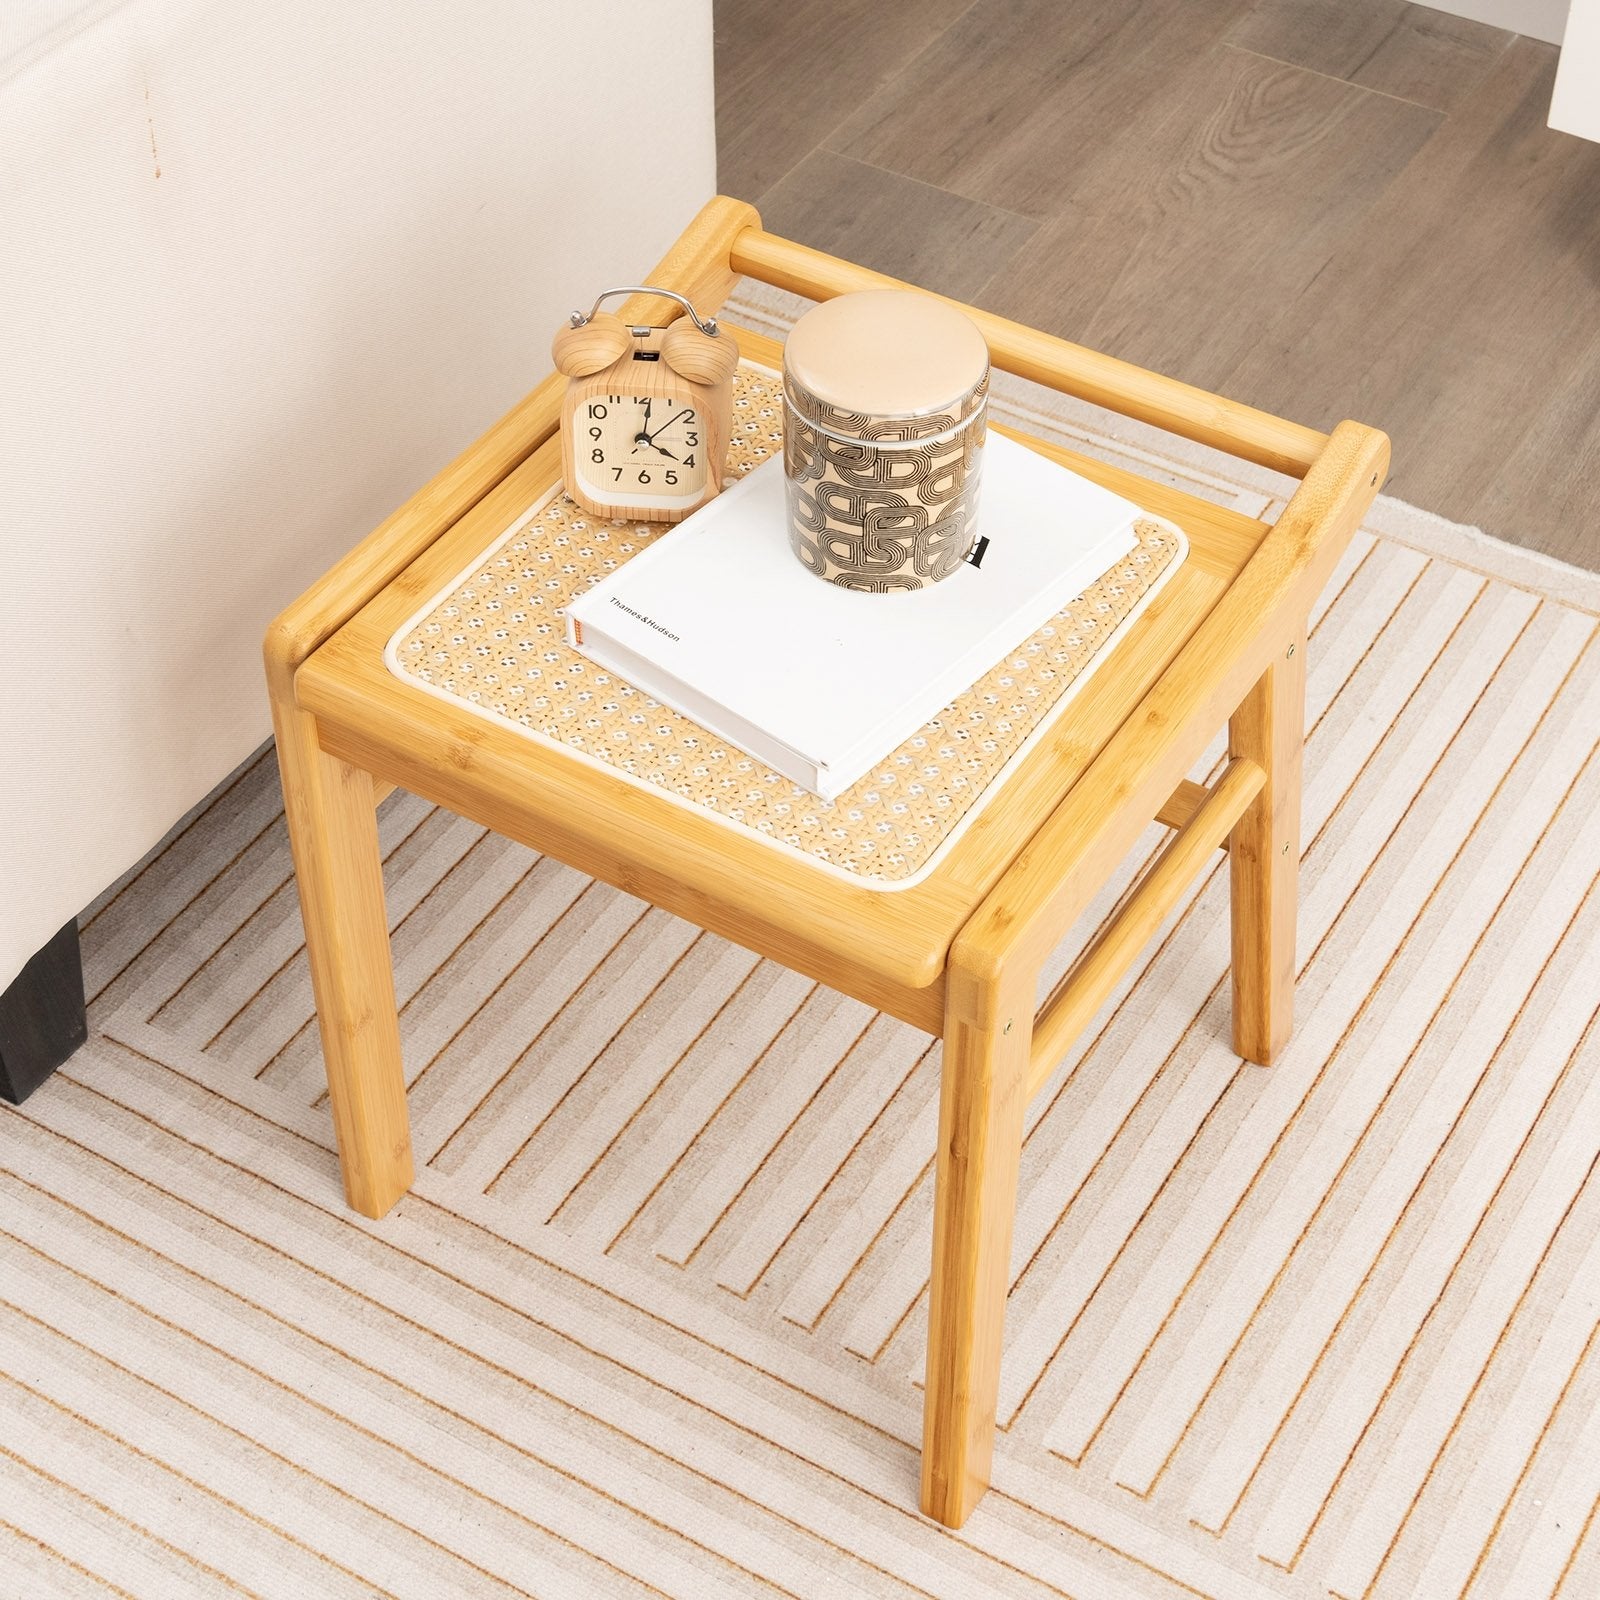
(885, 408)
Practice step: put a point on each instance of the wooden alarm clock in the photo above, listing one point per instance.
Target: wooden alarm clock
(644, 426)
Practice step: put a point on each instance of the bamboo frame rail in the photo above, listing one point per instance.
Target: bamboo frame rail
(1096, 972)
(1102, 380)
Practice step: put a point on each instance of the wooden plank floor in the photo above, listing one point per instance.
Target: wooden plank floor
(1325, 207)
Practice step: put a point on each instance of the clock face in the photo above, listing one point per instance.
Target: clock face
(640, 450)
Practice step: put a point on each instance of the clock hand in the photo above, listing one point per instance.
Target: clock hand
(650, 438)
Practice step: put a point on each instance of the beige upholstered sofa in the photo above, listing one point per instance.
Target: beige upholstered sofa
(266, 268)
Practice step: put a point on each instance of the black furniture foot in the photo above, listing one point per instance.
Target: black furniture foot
(42, 1018)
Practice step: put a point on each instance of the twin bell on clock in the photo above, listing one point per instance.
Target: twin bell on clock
(644, 426)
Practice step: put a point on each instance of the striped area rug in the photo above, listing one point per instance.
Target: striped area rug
(652, 1321)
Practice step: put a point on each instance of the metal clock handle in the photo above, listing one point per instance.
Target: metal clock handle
(707, 325)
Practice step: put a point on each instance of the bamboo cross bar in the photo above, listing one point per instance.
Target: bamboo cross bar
(1094, 974)
(1059, 364)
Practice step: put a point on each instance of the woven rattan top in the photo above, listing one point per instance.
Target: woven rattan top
(494, 640)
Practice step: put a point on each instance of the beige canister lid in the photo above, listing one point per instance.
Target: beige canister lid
(884, 355)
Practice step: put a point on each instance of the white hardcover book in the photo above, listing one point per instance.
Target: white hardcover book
(719, 620)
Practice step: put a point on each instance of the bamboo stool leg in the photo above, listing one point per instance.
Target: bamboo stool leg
(333, 833)
(988, 1029)
(1264, 858)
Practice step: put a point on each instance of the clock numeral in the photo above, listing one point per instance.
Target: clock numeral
(691, 439)
(644, 477)
(615, 399)
(598, 411)
(672, 477)
(596, 433)
(598, 457)
(688, 461)
(616, 472)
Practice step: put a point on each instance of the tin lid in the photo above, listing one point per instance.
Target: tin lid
(885, 364)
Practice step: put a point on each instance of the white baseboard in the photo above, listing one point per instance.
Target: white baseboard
(1539, 19)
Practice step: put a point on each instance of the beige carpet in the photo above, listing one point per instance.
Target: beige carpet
(652, 1321)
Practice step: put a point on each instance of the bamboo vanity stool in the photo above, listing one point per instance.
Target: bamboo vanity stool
(958, 951)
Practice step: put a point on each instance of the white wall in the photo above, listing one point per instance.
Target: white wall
(1539, 19)
(266, 268)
